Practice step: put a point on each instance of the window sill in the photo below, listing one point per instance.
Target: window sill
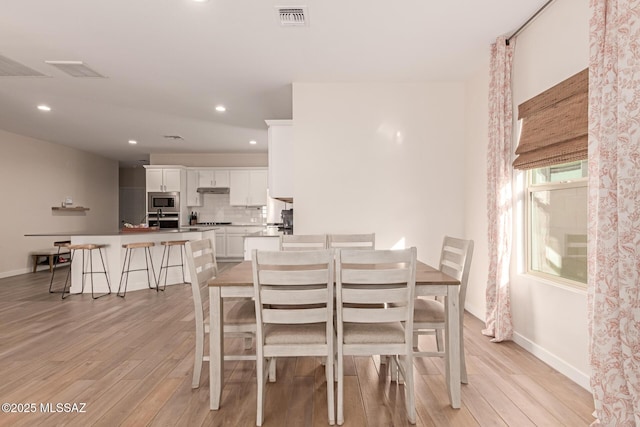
(575, 287)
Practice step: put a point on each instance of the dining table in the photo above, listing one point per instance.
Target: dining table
(237, 281)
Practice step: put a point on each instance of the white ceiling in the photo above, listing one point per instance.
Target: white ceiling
(168, 63)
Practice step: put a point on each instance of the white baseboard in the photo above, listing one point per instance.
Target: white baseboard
(554, 361)
(15, 272)
(541, 353)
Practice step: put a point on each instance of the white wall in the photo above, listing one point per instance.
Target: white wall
(549, 320)
(383, 158)
(37, 175)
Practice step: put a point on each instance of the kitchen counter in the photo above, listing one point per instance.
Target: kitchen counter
(114, 256)
(185, 229)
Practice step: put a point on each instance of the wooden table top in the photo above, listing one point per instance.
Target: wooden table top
(242, 275)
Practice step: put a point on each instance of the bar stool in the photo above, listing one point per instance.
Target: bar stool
(127, 262)
(164, 263)
(87, 247)
(60, 245)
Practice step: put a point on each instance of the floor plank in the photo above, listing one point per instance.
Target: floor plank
(130, 360)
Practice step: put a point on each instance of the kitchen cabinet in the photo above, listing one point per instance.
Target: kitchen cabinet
(248, 187)
(221, 245)
(161, 179)
(230, 240)
(280, 140)
(213, 178)
(193, 197)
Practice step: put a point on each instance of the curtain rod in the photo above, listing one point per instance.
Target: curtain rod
(519, 30)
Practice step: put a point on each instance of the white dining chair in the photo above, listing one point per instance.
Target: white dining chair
(366, 282)
(239, 321)
(303, 242)
(351, 241)
(429, 314)
(294, 312)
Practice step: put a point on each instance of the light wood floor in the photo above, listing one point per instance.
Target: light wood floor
(130, 361)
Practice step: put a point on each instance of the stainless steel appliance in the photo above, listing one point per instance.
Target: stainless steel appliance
(163, 209)
(287, 221)
(169, 202)
(163, 220)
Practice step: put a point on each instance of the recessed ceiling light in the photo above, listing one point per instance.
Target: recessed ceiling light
(133, 141)
(200, 1)
(44, 108)
(253, 142)
(221, 108)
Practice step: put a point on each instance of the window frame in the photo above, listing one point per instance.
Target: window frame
(529, 190)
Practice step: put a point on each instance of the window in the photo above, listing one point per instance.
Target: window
(557, 222)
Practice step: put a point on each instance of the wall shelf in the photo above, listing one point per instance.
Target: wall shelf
(74, 209)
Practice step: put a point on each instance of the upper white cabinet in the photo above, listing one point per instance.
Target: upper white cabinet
(248, 187)
(213, 178)
(193, 197)
(281, 159)
(164, 179)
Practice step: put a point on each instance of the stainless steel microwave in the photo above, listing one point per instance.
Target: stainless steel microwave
(168, 202)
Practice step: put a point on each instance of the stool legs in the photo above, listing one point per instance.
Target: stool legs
(164, 265)
(53, 272)
(127, 263)
(84, 273)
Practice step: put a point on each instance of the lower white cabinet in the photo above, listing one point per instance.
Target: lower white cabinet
(234, 241)
(221, 243)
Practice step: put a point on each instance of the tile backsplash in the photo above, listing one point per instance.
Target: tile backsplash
(216, 207)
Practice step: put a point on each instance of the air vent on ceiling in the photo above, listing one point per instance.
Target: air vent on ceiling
(11, 68)
(173, 137)
(75, 68)
(293, 16)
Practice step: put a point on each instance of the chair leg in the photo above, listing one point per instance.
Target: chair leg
(197, 363)
(64, 288)
(329, 368)
(409, 388)
(272, 370)
(463, 364)
(439, 340)
(340, 389)
(260, 392)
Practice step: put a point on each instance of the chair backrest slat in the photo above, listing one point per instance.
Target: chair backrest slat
(352, 241)
(455, 260)
(202, 265)
(372, 280)
(303, 242)
(293, 287)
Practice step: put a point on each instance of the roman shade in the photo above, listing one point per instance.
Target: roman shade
(554, 125)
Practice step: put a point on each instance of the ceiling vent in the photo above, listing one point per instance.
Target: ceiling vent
(75, 68)
(11, 68)
(293, 16)
(173, 137)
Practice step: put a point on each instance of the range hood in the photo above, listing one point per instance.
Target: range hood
(213, 190)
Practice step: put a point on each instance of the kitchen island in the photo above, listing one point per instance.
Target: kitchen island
(113, 254)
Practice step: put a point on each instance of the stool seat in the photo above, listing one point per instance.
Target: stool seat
(164, 263)
(87, 247)
(174, 243)
(138, 245)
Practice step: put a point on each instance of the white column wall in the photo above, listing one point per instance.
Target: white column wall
(383, 158)
(549, 320)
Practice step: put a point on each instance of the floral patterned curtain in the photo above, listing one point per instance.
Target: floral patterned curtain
(614, 211)
(499, 193)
